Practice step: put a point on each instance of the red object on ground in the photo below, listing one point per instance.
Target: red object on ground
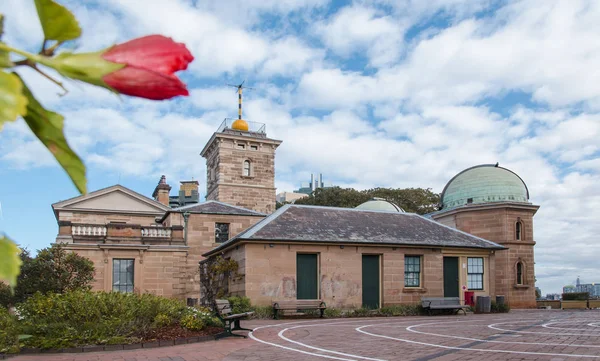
(150, 63)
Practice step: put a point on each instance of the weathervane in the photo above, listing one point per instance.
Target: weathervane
(240, 87)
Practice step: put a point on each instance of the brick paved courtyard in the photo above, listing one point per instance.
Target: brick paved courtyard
(519, 335)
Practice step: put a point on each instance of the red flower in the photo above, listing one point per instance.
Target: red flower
(149, 62)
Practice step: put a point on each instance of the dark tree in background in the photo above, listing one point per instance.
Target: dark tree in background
(414, 200)
(53, 269)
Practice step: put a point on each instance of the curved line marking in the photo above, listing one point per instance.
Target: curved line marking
(304, 323)
(492, 326)
(360, 329)
(410, 328)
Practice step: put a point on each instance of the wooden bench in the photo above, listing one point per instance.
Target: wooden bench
(229, 320)
(298, 305)
(443, 303)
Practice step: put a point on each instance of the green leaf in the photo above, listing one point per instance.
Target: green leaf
(48, 127)
(12, 101)
(10, 262)
(57, 21)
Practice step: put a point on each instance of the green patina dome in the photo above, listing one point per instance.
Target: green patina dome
(379, 204)
(486, 183)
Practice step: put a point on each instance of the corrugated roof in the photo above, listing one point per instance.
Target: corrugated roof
(299, 223)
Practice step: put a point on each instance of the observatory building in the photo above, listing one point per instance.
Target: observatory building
(480, 242)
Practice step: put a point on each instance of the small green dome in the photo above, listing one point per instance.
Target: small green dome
(486, 183)
(379, 204)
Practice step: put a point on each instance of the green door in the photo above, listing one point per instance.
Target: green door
(306, 277)
(370, 281)
(450, 276)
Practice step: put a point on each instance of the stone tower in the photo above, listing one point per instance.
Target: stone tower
(492, 202)
(240, 166)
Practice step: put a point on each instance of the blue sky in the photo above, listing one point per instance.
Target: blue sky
(402, 93)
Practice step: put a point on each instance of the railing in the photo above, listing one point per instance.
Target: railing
(253, 127)
(156, 232)
(88, 230)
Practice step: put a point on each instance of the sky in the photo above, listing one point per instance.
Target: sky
(379, 93)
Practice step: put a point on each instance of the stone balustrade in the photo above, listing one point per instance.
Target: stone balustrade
(88, 230)
(156, 232)
(120, 233)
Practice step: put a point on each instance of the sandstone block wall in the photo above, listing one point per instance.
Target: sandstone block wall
(226, 181)
(497, 224)
(269, 273)
(161, 272)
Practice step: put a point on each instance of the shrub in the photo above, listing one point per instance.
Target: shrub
(333, 312)
(9, 332)
(575, 296)
(191, 322)
(361, 312)
(401, 310)
(239, 304)
(499, 308)
(196, 318)
(162, 320)
(84, 317)
(262, 312)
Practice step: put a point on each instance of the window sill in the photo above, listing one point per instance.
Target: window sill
(414, 290)
(521, 286)
(247, 176)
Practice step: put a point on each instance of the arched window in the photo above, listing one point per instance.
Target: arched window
(519, 273)
(518, 230)
(246, 171)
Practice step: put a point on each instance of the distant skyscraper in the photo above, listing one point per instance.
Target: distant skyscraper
(309, 188)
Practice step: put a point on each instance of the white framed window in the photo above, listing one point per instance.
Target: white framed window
(412, 271)
(247, 168)
(475, 273)
(254, 147)
(123, 275)
(241, 146)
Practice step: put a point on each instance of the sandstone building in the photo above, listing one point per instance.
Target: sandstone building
(480, 242)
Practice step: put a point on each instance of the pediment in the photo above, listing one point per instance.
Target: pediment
(113, 199)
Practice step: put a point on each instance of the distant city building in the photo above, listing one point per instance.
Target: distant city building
(592, 288)
(289, 197)
(309, 188)
(553, 296)
(188, 194)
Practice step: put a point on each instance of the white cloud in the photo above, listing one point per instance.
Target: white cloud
(357, 28)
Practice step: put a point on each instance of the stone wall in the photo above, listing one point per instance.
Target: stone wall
(226, 181)
(497, 223)
(160, 268)
(269, 272)
(201, 239)
(157, 271)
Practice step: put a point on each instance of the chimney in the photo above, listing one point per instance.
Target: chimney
(161, 192)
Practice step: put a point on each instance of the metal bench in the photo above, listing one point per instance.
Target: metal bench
(229, 320)
(298, 305)
(443, 303)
